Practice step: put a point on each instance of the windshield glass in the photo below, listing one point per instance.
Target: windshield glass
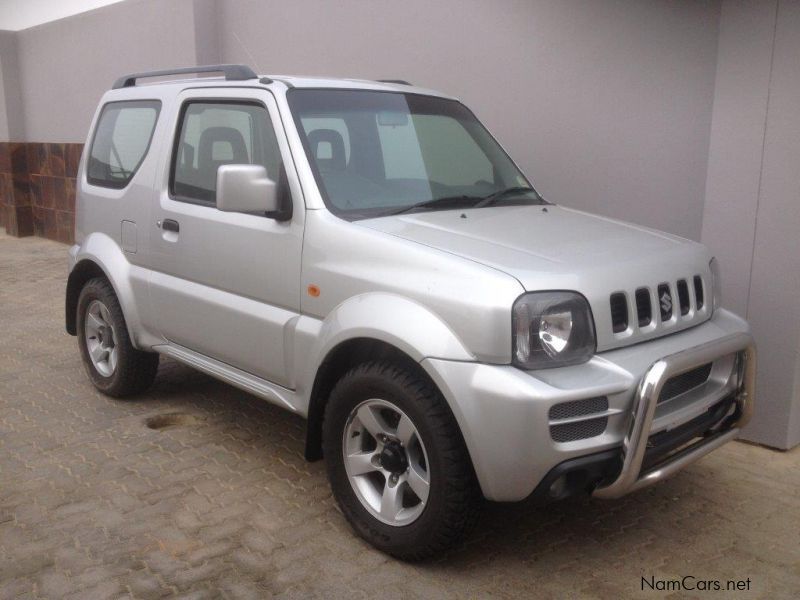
(376, 153)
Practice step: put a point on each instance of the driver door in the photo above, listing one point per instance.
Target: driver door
(225, 284)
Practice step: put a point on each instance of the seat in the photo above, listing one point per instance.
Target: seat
(338, 158)
(208, 160)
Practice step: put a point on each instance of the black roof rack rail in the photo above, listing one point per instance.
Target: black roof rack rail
(398, 81)
(231, 72)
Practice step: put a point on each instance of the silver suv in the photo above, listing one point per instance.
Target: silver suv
(366, 255)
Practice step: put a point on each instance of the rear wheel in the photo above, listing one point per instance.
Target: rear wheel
(397, 463)
(114, 366)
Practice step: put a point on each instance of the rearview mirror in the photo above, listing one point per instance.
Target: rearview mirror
(392, 118)
(246, 189)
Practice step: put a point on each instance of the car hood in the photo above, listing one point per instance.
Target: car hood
(557, 248)
(528, 242)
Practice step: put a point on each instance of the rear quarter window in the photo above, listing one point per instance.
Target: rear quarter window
(121, 140)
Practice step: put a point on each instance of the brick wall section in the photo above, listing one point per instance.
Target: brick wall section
(15, 188)
(53, 169)
(37, 189)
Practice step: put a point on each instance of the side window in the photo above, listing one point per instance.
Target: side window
(121, 140)
(213, 134)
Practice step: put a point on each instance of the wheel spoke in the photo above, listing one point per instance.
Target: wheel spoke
(405, 431)
(93, 322)
(97, 352)
(360, 463)
(391, 501)
(418, 482)
(112, 359)
(104, 314)
(370, 421)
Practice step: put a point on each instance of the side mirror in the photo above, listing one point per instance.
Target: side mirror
(246, 189)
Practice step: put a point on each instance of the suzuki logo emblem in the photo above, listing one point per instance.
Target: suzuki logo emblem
(666, 302)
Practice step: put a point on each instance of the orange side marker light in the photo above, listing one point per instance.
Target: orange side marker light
(313, 291)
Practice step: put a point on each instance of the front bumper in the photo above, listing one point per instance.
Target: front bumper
(632, 476)
(504, 412)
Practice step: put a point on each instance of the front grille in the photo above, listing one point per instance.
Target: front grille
(644, 311)
(676, 303)
(665, 443)
(683, 297)
(619, 312)
(680, 384)
(578, 408)
(665, 302)
(698, 292)
(594, 425)
(580, 430)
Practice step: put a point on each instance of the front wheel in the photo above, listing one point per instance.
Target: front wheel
(397, 462)
(115, 367)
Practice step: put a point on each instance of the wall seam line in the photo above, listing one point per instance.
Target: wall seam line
(710, 125)
(763, 151)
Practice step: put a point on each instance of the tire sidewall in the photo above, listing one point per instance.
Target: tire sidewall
(348, 394)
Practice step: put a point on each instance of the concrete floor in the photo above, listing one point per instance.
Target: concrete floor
(220, 503)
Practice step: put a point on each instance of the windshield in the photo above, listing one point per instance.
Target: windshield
(376, 153)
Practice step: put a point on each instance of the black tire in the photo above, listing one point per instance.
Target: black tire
(135, 370)
(454, 498)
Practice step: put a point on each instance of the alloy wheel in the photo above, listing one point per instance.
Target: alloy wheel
(386, 462)
(101, 339)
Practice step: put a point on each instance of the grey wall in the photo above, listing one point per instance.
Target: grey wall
(752, 210)
(66, 65)
(8, 52)
(207, 34)
(606, 105)
(12, 126)
(737, 141)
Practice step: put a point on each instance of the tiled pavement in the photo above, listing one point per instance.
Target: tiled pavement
(220, 503)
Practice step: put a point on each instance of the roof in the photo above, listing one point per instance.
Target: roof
(346, 83)
(239, 75)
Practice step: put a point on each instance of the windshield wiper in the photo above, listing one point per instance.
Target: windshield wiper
(497, 196)
(469, 201)
(434, 202)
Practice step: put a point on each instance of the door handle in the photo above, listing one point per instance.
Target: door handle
(170, 225)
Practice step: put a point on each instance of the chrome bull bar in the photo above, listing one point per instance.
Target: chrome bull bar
(631, 477)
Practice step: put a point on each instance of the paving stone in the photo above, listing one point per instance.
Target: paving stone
(94, 504)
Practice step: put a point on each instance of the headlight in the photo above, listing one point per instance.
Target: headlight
(716, 285)
(552, 329)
